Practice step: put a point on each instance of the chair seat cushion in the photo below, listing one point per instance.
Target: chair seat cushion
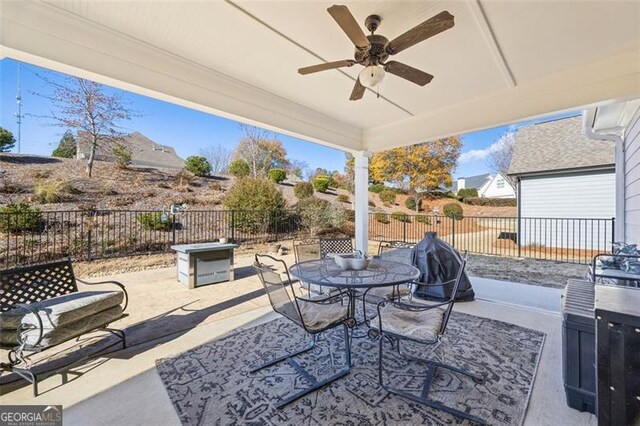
(402, 255)
(62, 310)
(418, 301)
(317, 316)
(54, 335)
(420, 325)
(377, 294)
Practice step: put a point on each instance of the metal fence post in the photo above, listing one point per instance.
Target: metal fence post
(233, 226)
(613, 234)
(453, 231)
(404, 228)
(89, 245)
(173, 228)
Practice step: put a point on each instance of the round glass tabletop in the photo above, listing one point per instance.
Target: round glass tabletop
(380, 273)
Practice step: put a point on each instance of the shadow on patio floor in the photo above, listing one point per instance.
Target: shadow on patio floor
(142, 336)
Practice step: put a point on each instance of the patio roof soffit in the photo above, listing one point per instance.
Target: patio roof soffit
(489, 79)
(52, 38)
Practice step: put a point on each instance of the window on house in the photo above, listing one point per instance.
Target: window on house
(500, 183)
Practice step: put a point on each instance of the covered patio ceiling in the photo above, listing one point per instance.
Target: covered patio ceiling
(501, 62)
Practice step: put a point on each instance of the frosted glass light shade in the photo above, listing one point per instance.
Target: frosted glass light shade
(371, 76)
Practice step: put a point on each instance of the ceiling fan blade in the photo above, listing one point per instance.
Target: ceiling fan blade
(349, 25)
(414, 75)
(326, 66)
(357, 92)
(432, 26)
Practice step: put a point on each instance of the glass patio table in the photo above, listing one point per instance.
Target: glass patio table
(379, 273)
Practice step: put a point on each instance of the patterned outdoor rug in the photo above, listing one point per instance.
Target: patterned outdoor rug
(210, 384)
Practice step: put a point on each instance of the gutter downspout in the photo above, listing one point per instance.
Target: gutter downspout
(588, 119)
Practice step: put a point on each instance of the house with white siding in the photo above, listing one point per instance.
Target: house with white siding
(563, 177)
(488, 185)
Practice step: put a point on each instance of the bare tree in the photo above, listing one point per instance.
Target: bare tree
(85, 106)
(298, 168)
(501, 152)
(261, 150)
(219, 156)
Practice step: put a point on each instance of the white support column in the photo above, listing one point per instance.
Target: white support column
(361, 203)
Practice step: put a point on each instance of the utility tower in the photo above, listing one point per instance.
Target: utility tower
(18, 113)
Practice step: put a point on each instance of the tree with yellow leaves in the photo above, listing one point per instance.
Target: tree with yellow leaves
(418, 168)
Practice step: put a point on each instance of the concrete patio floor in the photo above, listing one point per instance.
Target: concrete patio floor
(166, 319)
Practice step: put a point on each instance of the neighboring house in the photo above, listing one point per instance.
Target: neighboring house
(560, 173)
(488, 185)
(145, 152)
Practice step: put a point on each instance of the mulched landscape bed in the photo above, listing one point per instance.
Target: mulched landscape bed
(528, 271)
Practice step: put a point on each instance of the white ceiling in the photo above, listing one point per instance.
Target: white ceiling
(502, 61)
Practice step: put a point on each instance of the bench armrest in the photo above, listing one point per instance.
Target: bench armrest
(21, 328)
(119, 284)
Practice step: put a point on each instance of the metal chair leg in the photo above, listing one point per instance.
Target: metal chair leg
(286, 356)
(423, 398)
(315, 384)
(430, 363)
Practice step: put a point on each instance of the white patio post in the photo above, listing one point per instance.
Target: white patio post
(361, 203)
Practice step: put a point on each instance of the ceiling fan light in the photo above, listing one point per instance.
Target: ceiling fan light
(371, 76)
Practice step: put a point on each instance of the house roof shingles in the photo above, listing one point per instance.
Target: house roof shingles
(469, 182)
(558, 145)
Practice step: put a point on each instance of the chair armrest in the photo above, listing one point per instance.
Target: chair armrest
(433, 284)
(34, 311)
(418, 307)
(119, 284)
(339, 297)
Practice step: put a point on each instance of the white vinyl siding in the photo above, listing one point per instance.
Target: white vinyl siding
(583, 195)
(570, 198)
(492, 189)
(632, 180)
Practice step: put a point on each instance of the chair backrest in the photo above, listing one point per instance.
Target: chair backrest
(35, 283)
(452, 299)
(276, 289)
(399, 251)
(308, 249)
(335, 245)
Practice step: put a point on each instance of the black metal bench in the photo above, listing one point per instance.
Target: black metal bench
(41, 307)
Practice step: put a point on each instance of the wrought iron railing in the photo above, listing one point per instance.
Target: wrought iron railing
(86, 235)
(574, 240)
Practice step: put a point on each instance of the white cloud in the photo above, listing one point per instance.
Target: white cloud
(481, 154)
(478, 154)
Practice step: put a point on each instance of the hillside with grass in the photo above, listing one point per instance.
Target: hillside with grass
(54, 184)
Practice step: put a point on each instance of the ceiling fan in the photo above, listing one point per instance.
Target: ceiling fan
(372, 51)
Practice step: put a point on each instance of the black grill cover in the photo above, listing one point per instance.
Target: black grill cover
(438, 262)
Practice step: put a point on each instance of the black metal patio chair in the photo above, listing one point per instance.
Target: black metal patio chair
(314, 315)
(335, 245)
(398, 251)
(422, 324)
(305, 250)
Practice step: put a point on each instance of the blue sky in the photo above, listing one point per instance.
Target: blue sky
(185, 129)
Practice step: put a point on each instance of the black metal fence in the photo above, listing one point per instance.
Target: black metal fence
(87, 235)
(559, 239)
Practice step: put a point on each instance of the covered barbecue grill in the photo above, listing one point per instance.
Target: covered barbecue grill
(438, 263)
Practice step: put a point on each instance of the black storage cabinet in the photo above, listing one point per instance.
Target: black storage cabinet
(579, 345)
(618, 348)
